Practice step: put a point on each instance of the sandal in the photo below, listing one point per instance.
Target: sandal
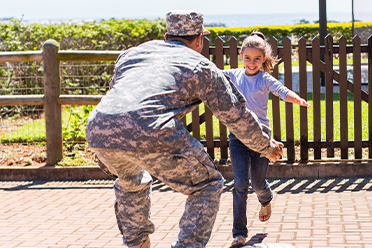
(265, 212)
(238, 240)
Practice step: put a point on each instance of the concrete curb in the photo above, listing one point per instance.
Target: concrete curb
(277, 170)
(77, 173)
(312, 170)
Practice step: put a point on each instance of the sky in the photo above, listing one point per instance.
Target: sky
(149, 9)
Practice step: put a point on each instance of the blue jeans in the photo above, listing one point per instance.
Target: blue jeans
(243, 160)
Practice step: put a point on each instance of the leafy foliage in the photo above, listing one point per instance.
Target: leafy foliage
(74, 127)
(105, 35)
(76, 158)
(122, 34)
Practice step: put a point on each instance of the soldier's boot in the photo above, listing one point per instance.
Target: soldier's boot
(144, 244)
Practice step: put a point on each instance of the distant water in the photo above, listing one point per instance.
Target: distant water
(241, 20)
(249, 20)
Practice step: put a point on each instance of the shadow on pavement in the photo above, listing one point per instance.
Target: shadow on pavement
(258, 238)
(279, 186)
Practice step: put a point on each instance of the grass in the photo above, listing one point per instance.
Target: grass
(296, 116)
(31, 132)
(336, 120)
(35, 131)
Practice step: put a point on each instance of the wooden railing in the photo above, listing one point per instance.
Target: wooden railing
(53, 100)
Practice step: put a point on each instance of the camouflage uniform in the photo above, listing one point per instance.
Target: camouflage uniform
(136, 132)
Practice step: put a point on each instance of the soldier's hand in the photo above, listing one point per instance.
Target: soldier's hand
(277, 152)
(277, 143)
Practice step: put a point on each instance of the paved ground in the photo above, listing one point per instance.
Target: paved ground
(306, 213)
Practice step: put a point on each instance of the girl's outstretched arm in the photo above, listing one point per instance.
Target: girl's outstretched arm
(294, 98)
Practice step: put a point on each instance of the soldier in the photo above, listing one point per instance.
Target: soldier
(136, 130)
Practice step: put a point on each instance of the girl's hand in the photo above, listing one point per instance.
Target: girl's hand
(302, 102)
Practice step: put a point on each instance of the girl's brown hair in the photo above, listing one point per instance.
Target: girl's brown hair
(257, 40)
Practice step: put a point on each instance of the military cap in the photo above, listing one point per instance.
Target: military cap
(185, 22)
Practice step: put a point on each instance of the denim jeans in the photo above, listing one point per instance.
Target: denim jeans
(243, 160)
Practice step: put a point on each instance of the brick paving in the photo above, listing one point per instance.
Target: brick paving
(306, 213)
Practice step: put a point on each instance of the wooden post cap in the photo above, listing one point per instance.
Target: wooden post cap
(51, 42)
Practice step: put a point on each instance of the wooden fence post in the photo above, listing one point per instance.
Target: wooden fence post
(274, 99)
(53, 110)
(317, 126)
(223, 131)
(329, 95)
(304, 131)
(343, 99)
(358, 147)
(208, 113)
(287, 58)
(233, 44)
(369, 97)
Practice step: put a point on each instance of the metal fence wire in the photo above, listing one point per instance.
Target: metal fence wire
(85, 77)
(26, 78)
(21, 78)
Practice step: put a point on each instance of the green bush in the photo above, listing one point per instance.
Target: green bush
(122, 34)
(104, 35)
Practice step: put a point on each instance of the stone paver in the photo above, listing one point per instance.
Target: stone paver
(306, 213)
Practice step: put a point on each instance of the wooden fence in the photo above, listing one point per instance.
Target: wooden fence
(53, 100)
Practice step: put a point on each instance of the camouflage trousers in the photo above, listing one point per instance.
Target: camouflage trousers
(190, 172)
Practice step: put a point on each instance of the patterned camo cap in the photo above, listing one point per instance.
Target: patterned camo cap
(185, 22)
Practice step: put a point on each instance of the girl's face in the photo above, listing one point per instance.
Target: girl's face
(253, 59)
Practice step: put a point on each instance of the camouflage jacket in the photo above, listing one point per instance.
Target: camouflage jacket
(156, 84)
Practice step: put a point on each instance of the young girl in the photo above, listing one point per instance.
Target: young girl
(255, 82)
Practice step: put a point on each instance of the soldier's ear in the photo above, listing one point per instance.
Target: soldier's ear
(199, 40)
(197, 44)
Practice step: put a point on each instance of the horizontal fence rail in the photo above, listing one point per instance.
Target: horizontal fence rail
(319, 56)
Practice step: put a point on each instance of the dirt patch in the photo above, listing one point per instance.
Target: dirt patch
(29, 154)
(26, 154)
(22, 155)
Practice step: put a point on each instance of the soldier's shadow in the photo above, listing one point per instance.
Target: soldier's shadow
(256, 239)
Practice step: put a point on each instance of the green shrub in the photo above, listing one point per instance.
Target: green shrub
(104, 35)
(122, 34)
